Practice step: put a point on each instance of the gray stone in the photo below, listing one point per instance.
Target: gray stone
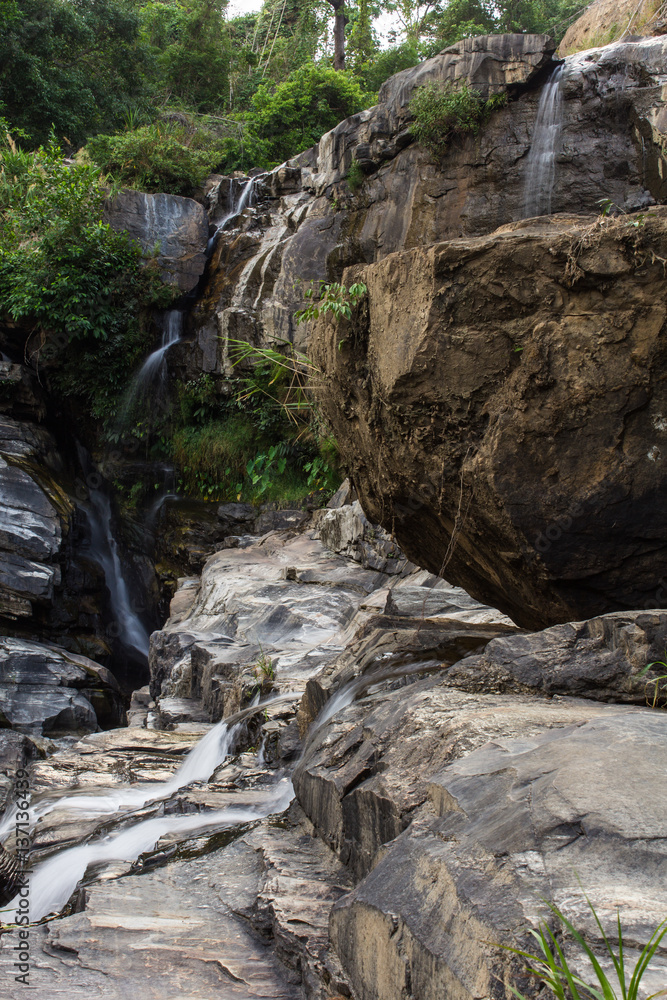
(347, 530)
(44, 689)
(509, 824)
(178, 225)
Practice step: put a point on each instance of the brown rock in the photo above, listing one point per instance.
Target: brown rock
(505, 415)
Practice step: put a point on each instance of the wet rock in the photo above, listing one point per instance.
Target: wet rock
(44, 689)
(276, 610)
(178, 225)
(512, 437)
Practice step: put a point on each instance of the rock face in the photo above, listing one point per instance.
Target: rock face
(306, 224)
(44, 689)
(608, 20)
(178, 225)
(505, 415)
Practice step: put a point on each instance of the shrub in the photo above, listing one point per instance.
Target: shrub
(355, 176)
(69, 278)
(442, 112)
(170, 156)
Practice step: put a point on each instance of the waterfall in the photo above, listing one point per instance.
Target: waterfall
(541, 162)
(104, 550)
(150, 378)
(55, 880)
(238, 201)
(153, 367)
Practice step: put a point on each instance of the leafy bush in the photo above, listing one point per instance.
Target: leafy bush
(355, 176)
(288, 118)
(69, 66)
(173, 156)
(442, 112)
(70, 279)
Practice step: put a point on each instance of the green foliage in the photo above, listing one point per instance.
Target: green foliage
(656, 688)
(385, 63)
(440, 112)
(170, 156)
(212, 457)
(552, 967)
(292, 116)
(355, 176)
(68, 66)
(333, 298)
(70, 279)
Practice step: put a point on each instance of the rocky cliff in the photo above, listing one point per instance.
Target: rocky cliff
(307, 224)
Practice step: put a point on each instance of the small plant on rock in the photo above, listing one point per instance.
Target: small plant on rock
(440, 112)
(333, 298)
(554, 969)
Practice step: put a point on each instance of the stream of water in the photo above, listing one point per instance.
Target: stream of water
(541, 162)
(104, 550)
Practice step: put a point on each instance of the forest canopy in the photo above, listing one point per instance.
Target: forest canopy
(165, 91)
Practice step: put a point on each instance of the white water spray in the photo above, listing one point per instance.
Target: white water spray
(53, 882)
(541, 162)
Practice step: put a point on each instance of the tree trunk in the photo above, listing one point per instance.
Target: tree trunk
(339, 33)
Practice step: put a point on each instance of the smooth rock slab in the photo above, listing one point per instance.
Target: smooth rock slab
(516, 820)
(178, 225)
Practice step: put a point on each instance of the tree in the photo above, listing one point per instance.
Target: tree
(71, 66)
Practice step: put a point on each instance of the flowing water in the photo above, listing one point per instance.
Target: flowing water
(541, 162)
(104, 550)
(149, 381)
(238, 202)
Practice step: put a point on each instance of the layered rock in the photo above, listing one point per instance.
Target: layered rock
(45, 690)
(307, 224)
(505, 415)
(35, 515)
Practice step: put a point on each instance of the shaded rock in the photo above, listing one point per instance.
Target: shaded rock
(344, 494)
(237, 517)
(178, 225)
(604, 658)
(281, 520)
(513, 437)
(44, 689)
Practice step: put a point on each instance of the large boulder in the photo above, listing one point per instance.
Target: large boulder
(45, 689)
(504, 415)
(178, 226)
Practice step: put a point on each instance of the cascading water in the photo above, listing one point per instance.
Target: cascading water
(238, 201)
(147, 384)
(104, 550)
(541, 161)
